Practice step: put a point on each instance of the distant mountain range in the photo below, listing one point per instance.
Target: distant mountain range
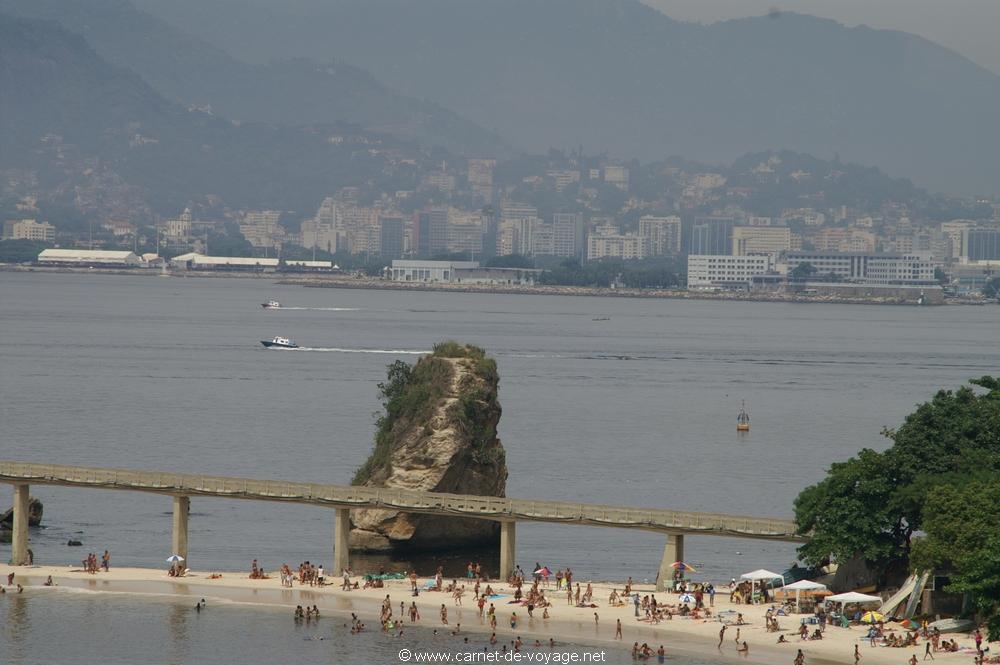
(618, 75)
(290, 91)
(73, 125)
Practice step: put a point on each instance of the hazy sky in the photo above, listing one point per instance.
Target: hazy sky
(970, 27)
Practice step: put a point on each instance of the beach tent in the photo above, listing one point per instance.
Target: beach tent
(761, 575)
(803, 585)
(854, 597)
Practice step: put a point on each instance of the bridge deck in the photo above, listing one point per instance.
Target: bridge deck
(339, 496)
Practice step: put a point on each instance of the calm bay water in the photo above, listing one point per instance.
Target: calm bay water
(168, 373)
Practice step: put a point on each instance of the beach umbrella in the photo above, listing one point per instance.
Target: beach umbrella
(543, 571)
(872, 617)
(687, 598)
(854, 597)
(175, 558)
(683, 567)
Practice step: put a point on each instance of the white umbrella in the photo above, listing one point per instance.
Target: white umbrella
(762, 575)
(802, 585)
(854, 597)
(175, 558)
(687, 598)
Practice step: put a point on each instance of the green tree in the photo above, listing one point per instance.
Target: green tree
(21, 251)
(872, 504)
(510, 261)
(962, 526)
(802, 272)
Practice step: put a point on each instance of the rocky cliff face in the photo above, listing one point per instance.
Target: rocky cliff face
(438, 435)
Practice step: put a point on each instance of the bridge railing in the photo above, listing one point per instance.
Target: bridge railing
(480, 507)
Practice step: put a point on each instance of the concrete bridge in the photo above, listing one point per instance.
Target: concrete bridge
(181, 487)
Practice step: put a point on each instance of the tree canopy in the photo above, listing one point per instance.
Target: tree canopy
(962, 526)
(872, 504)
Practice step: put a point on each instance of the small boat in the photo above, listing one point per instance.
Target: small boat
(271, 304)
(279, 343)
(743, 419)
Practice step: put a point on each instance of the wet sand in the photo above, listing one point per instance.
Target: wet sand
(697, 638)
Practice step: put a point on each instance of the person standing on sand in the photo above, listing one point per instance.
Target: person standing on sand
(927, 651)
(444, 614)
(800, 658)
(722, 635)
(857, 654)
(912, 660)
(618, 629)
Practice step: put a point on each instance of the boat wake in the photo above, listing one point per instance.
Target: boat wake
(320, 309)
(334, 349)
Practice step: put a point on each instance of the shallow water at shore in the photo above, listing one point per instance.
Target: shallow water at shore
(66, 626)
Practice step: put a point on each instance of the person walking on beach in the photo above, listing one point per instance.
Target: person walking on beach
(857, 654)
(618, 630)
(927, 651)
(635, 601)
(722, 635)
(800, 658)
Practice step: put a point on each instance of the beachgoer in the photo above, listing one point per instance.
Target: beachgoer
(618, 629)
(106, 561)
(722, 635)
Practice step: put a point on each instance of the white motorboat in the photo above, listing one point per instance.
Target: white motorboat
(271, 304)
(279, 343)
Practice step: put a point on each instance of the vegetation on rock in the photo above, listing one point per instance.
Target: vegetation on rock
(410, 394)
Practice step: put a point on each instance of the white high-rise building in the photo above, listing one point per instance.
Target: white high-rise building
(568, 234)
(606, 242)
(761, 240)
(663, 234)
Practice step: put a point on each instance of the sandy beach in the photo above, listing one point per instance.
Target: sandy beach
(680, 636)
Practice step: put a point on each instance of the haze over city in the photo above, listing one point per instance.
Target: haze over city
(500, 330)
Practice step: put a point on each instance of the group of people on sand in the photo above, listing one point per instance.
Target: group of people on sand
(90, 564)
(257, 571)
(308, 574)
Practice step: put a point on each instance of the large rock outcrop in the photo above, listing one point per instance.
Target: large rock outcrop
(438, 434)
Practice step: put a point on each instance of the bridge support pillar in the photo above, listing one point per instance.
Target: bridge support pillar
(672, 551)
(19, 537)
(341, 544)
(508, 549)
(179, 541)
